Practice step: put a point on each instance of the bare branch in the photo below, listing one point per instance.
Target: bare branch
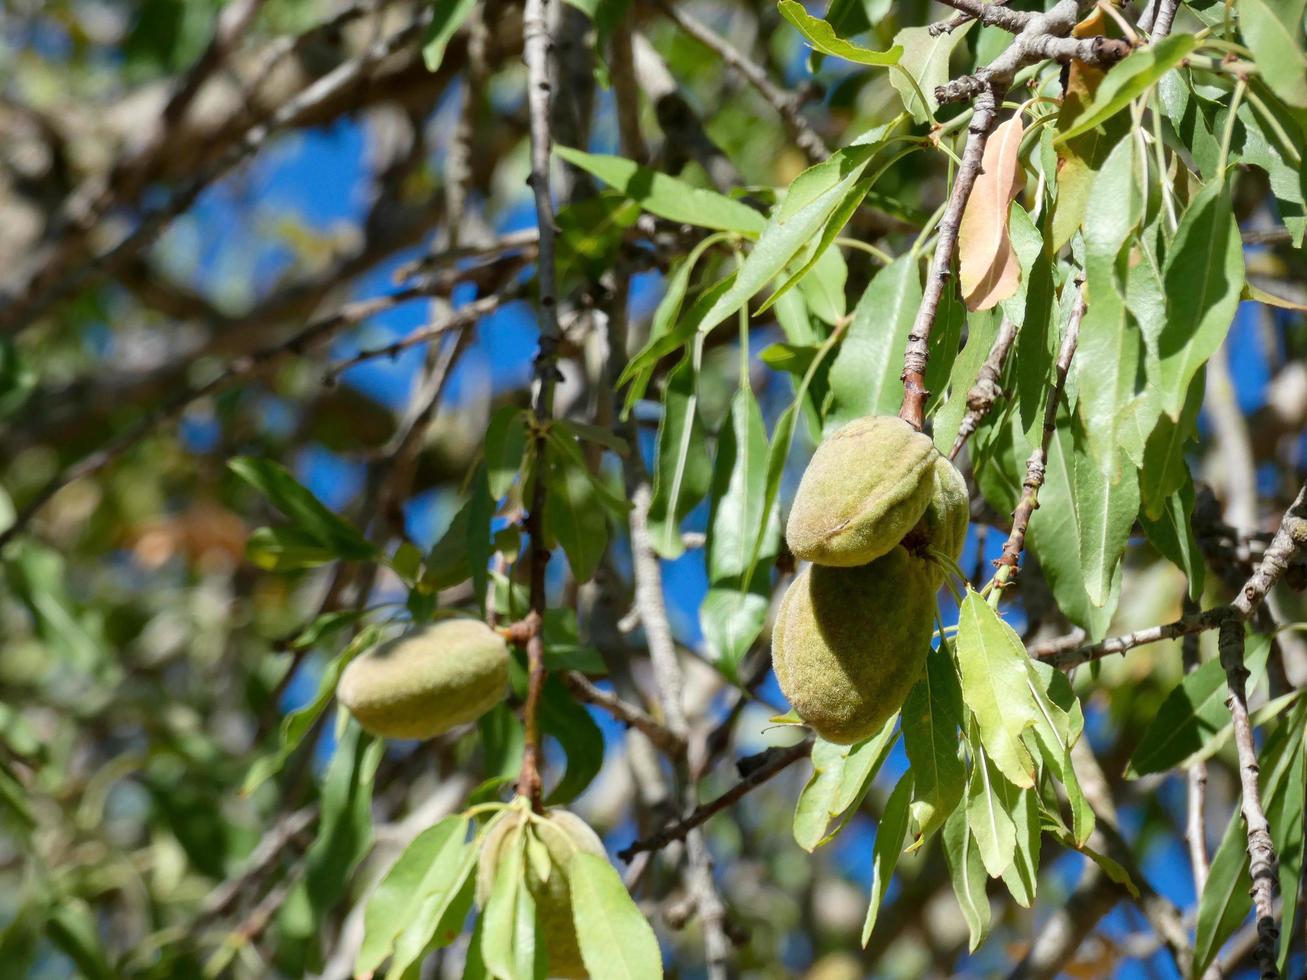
(537, 45)
(668, 742)
(986, 391)
(775, 760)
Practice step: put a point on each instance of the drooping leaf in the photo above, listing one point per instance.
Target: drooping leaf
(682, 467)
(614, 937)
(991, 825)
(841, 776)
(931, 715)
(448, 17)
(886, 850)
(988, 269)
(574, 517)
(1106, 504)
(562, 718)
(992, 660)
(1022, 875)
(864, 376)
(967, 872)
(505, 443)
(1204, 277)
(1173, 535)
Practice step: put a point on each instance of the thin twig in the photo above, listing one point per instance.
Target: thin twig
(668, 742)
(1196, 782)
(776, 761)
(1010, 559)
(917, 352)
(785, 103)
(537, 44)
(463, 317)
(986, 391)
(958, 20)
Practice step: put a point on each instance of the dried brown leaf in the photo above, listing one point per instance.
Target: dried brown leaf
(988, 266)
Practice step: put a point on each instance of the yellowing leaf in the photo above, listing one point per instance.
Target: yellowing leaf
(987, 264)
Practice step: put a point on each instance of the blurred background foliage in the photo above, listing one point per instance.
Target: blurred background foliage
(147, 663)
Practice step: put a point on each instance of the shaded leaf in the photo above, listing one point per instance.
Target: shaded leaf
(823, 38)
(886, 850)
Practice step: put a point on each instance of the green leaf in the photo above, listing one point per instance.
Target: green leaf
(812, 199)
(666, 196)
(1128, 80)
(1055, 535)
(505, 443)
(967, 872)
(841, 776)
(344, 832)
(1286, 817)
(982, 330)
(1165, 470)
(990, 824)
(448, 18)
(1173, 535)
(993, 660)
(682, 465)
(735, 611)
(286, 549)
(614, 937)
(1022, 875)
(864, 377)
(72, 929)
(574, 517)
(924, 65)
(885, 851)
(305, 511)
(578, 736)
(409, 903)
(1204, 276)
(499, 938)
(584, 431)
(1106, 505)
(823, 38)
(1273, 33)
(823, 284)
(931, 715)
(298, 723)
(1192, 714)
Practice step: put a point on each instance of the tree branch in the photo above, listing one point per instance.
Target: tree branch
(986, 391)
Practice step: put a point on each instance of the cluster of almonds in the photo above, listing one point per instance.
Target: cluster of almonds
(881, 515)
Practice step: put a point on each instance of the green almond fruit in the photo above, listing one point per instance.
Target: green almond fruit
(865, 488)
(427, 681)
(849, 643)
(943, 527)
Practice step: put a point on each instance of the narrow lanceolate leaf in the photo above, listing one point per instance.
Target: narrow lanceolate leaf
(823, 38)
(864, 377)
(931, 716)
(499, 935)
(841, 776)
(305, 511)
(425, 870)
(1106, 504)
(967, 872)
(614, 937)
(1057, 728)
(735, 611)
(816, 194)
(682, 467)
(1126, 81)
(1204, 277)
(1055, 539)
(991, 824)
(666, 196)
(504, 445)
(447, 18)
(1165, 469)
(988, 268)
(1022, 875)
(993, 664)
(1287, 827)
(574, 516)
(1273, 31)
(1192, 714)
(885, 852)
